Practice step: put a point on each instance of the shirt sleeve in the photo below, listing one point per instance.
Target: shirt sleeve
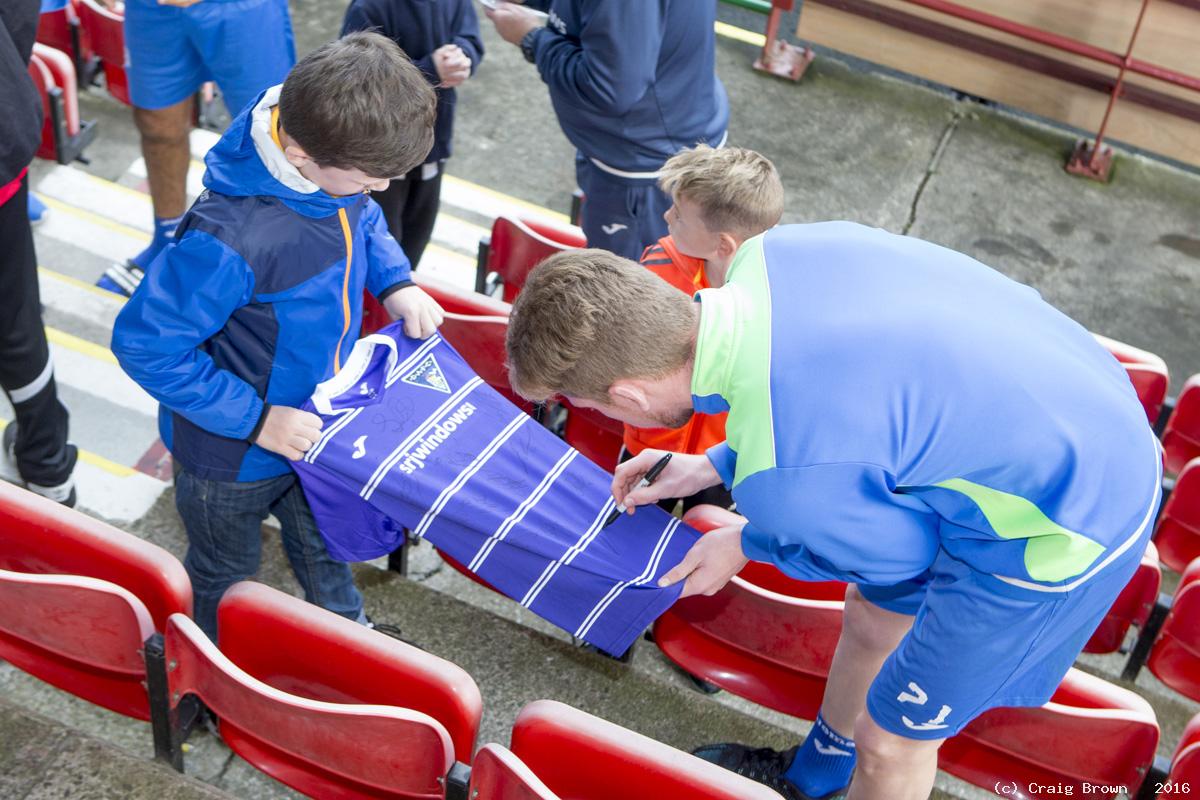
(388, 268)
(614, 62)
(837, 521)
(466, 33)
(188, 295)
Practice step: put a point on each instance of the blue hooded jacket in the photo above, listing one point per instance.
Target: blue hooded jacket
(633, 82)
(258, 300)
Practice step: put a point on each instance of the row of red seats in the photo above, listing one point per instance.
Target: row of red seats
(332, 708)
(321, 703)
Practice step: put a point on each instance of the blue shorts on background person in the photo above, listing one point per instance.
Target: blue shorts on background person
(243, 45)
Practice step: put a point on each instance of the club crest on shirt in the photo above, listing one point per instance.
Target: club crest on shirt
(429, 375)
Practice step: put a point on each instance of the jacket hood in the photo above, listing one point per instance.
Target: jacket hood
(247, 162)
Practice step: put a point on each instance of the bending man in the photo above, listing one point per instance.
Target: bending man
(901, 417)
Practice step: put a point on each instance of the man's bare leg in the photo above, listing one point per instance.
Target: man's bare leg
(869, 635)
(165, 148)
(891, 767)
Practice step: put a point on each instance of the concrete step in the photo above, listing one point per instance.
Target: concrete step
(44, 759)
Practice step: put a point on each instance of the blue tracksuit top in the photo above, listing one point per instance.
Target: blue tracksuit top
(633, 82)
(420, 27)
(889, 398)
(257, 301)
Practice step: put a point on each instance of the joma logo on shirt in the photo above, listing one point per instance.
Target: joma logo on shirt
(414, 459)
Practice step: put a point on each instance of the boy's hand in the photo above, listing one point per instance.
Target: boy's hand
(683, 476)
(452, 65)
(289, 432)
(711, 563)
(421, 313)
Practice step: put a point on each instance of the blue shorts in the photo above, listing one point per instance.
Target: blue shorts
(977, 643)
(244, 45)
(623, 217)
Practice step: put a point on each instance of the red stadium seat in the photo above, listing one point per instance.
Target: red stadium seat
(92, 566)
(322, 703)
(1132, 607)
(765, 637)
(1175, 656)
(594, 435)
(106, 31)
(497, 774)
(1147, 372)
(1177, 533)
(63, 71)
(64, 135)
(62, 30)
(82, 635)
(582, 757)
(514, 248)
(1090, 732)
(1185, 764)
(1181, 438)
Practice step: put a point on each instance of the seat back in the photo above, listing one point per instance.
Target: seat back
(497, 774)
(1177, 532)
(43, 81)
(1185, 763)
(1091, 732)
(1175, 656)
(323, 749)
(80, 634)
(582, 757)
(105, 30)
(517, 246)
(1147, 372)
(63, 71)
(54, 29)
(302, 649)
(772, 646)
(1132, 606)
(475, 325)
(1150, 382)
(593, 434)
(1181, 437)
(40, 536)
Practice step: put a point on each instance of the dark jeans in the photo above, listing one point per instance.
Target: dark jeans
(410, 206)
(26, 374)
(224, 527)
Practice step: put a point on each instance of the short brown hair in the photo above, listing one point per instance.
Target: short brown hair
(587, 318)
(359, 103)
(736, 190)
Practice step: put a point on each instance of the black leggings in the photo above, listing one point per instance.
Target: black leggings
(26, 373)
(410, 206)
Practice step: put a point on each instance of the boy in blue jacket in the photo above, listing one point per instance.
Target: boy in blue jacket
(443, 41)
(260, 299)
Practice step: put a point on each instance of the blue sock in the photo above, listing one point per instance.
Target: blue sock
(824, 762)
(164, 234)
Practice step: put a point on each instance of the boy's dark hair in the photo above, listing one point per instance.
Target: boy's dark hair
(359, 103)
